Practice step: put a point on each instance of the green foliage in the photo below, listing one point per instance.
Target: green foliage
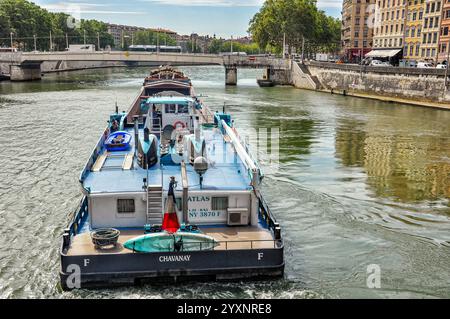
(149, 37)
(299, 20)
(218, 46)
(193, 47)
(25, 19)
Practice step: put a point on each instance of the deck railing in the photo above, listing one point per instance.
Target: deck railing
(266, 215)
(232, 245)
(78, 218)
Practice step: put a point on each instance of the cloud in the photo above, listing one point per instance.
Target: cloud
(321, 4)
(82, 7)
(234, 3)
(209, 3)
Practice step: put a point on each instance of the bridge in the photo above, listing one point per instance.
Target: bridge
(25, 66)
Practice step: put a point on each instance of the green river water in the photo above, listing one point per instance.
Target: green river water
(359, 182)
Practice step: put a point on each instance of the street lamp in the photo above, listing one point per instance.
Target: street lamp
(231, 45)
(157, 40)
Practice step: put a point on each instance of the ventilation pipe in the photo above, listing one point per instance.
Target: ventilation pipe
(136, 134)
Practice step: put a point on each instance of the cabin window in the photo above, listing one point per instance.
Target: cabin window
(219, 203)
(125, 206)
(183, 108)
(171, 108)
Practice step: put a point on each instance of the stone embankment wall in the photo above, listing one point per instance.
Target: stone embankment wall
(60, 66)
(386, 83)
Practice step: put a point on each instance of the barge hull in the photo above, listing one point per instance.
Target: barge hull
(130, 269)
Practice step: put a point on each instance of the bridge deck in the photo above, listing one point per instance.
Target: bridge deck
(241, 61)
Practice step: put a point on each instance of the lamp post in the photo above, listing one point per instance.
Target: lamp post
(51, 44)
(231, 47)
(157, 41)
(35, 44)
(84, 36)
(11, 35)
(98, 41)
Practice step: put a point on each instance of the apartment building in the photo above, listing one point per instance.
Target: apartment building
(390, 24)
(120, 32)
(431, 29)
(444, 40)
(413, 29)
(356, 35)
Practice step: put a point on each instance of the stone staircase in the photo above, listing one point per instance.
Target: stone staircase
(154, 205)
(303, 78)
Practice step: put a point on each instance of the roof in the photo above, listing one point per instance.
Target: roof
(383, 53)
(170, 100)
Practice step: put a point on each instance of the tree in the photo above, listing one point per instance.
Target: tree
(26, 20)
(149, 37)
(298, 20)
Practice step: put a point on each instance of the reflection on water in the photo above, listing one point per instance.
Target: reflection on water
(359, 182)
(403, 160)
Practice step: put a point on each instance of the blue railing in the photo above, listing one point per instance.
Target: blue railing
(78, 219)
(268, 218)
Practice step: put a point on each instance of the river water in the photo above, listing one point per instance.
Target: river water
(359, 183)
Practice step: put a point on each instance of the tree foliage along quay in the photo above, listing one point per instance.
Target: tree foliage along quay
(149, 37)
(26, 20)
(299, 20)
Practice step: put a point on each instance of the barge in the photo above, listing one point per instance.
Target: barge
(170, 192)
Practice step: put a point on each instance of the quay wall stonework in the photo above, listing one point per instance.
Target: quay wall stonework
(410, 85)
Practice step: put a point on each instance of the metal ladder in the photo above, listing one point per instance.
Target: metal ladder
(156, 126)
(154, 205)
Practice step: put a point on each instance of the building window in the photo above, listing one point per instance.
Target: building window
(219, 203)
(444, 31)
(125, 206)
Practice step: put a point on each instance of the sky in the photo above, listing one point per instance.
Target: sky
(225, 18)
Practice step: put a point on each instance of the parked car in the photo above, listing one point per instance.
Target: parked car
(425, 65)
(441, 66)
(412, 64)
(385, 64)
(376, 63)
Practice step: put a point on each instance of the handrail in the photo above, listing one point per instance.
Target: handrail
(277, 243)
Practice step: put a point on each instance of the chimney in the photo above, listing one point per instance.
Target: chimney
(146, 134)
(136, 134)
